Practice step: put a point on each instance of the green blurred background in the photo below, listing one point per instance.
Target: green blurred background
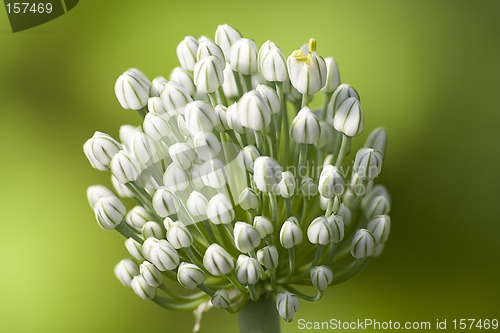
(429, 71)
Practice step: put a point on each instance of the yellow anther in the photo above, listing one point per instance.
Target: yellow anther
(297, 54)
(312, 45)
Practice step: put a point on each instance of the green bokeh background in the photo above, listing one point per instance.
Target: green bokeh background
(429, 71)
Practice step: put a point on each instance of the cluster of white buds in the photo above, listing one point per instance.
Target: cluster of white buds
(242, 187)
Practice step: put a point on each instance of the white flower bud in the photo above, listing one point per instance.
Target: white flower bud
(379, 205)
(122, 190)
(178, 235)
(157, 85)
(268, 257)
(200, 117)
(221, 123)
(253, 111)
(167, 222)
(160, 253)
(307, 71)
(152, 229)
(181, 125)
(124, 167)
(190, 276)
(379, 248)
(182, 154)
(208, 48)
(175, 178)
(134, 248)
(196, 204)
(267, 173)
(319, 231)
(233, 119)
(270, 97)
(143, 148)
(349, 118)
(165, 202)
(221, 299)
(156, 106)
(125, 271)
(132, 89)
(247, 270)
(343, 92)
(332, 76)
(217, 261)
(305, 127)
(186, 52)
(287, 305)
(243, 57)
(207, 145)
(250, 154)
(368, 163)
(248, 199)
(219, 210)
(363, 244)
(151, 274)
(213, 174)
(96, 192)
(137, 217)
(209, 74)
(126, 133)
(156, 125)
(229, 87)
(109, 212)
(246, 237)
(308, 187)
(286, 187)
(331, 182)
(142, 288)
(380, 227)
(321, 277)
(100, 149)
(290, 234)
(272, 62)
(174, 98)
(196, 177)
(375, 191)
(183, 77)
(263, 225)
(337, 225)
(377, 140)
(225, 37)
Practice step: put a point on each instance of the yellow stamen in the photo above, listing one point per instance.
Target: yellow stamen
(312, 45)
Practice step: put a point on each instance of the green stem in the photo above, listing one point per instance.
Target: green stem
(259, 317)
(343, 150)
(142, 112)
(127, 232)
(326, 101)
(305, 100)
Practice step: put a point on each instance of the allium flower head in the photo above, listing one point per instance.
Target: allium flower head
(241, 190)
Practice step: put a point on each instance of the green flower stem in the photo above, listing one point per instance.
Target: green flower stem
(288, 204)
(207, 290)
(331, 253)
(236, 283)
(210, 232)
(213, 99)
(354, 268)
(272, 278)
(326, 100)
(301, 163)
(221, 98)
(291, 263)
(248, 82)
(329, 209)
(305, 100)
(343, 150)
(237, 78)
(141, 196)
(142, 112)
(272, 134)
(319, 253)
(170, 275)
(254, 296)
(170, 304)
(127, 232)
(305, 297)
(181, 298)
(274, 209)
(193, 257)
(261, 146)
(259, 317)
